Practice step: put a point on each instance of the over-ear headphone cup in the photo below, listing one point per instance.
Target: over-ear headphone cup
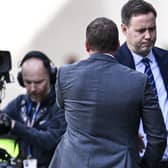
(20, 79)
(47, 64)
(53, 73)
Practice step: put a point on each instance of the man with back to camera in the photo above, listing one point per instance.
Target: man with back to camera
(34, 118)
(103, 102)
(139, 27)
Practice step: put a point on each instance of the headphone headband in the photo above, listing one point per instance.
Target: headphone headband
(46, 61)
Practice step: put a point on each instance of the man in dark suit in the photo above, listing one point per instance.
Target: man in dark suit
(103, 102)
(139, 27)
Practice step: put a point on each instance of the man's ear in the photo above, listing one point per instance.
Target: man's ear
(124, 28)
(87, 46)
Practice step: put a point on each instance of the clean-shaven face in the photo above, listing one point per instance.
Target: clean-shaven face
(141, 33)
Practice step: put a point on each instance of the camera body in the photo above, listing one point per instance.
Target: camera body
(5, 66)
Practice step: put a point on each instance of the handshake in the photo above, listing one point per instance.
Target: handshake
(5, 123)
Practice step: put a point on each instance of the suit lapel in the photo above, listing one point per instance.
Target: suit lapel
(162, 61)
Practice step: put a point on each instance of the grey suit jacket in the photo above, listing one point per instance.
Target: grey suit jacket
(103, 102)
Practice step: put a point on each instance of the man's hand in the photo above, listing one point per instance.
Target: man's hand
(5, 123)
(141, 144)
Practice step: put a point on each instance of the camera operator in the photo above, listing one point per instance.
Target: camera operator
(34, 118)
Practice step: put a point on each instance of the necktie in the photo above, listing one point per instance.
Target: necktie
(148, 71)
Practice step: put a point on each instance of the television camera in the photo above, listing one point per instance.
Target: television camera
(5, 67)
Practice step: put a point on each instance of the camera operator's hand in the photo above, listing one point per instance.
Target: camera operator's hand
(5, 123)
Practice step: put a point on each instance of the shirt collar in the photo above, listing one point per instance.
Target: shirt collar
(109, 54)
(137, 58)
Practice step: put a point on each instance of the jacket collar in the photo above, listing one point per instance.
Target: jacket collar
(124, 56)
(103, 56)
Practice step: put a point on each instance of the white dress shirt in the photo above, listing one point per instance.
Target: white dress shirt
(161, 91)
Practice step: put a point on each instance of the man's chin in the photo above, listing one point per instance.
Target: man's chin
(144, 51)
(35, 99)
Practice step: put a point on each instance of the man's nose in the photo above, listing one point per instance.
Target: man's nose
(32, 87)
(147, 34)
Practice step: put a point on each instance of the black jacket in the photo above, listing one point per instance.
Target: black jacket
(125, 57)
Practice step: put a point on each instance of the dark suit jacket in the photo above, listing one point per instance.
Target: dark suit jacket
(125, 57)
(103, 102)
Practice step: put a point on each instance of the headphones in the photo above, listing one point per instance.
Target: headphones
(47, 64)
